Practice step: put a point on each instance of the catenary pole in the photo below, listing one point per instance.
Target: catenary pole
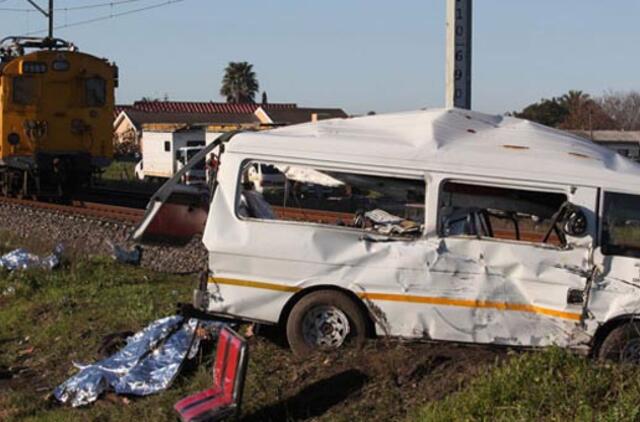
(458, 68)
(50, 18)
(48, 14)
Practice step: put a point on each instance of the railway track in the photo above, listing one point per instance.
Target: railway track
(111, 196)
(88, 209)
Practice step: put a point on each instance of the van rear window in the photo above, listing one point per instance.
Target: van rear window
(381, 205)
(621, 225)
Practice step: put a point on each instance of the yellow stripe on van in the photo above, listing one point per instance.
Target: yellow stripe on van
(443, 301)
(254, 284)
(479, 304)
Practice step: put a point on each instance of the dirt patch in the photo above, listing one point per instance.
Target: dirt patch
(382, 382)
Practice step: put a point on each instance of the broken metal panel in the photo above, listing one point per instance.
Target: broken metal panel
(175, 213)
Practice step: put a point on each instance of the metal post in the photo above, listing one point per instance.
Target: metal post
(48, 14)
(50, 18)
(459, 34)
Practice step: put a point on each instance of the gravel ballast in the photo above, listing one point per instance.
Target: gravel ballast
(40, 230)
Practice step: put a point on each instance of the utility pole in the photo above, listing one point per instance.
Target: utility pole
(46, 14)
(459, 34)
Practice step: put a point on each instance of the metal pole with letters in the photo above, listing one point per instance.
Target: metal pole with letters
(459, 34)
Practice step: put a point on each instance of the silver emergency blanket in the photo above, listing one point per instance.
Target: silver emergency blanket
(21, 259)
(147, 364)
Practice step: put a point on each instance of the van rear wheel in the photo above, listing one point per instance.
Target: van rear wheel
(622, 344)
(325, 320)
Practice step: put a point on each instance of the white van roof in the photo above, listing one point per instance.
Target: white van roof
(451, 140)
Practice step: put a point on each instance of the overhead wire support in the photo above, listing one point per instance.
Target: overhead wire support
(48, 14)
(73, 8)
(110, 16)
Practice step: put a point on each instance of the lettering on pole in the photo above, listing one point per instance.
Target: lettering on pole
(459, 36)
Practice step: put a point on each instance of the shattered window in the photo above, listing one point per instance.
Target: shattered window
(500, 213)
(621, 225)
(380, 205)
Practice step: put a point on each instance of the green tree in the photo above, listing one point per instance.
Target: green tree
(575, 110)
(239, 84)
(584, 113)
(547, 112)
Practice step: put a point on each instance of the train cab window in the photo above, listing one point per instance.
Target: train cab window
(95, 91)
(24, 90)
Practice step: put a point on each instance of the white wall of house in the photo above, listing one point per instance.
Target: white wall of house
(212, 136)
(627, 149)
(159, 150)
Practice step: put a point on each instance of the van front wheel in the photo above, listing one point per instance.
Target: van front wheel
(622, 344)
(325, 320)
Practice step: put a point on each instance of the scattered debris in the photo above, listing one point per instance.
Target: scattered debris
(21, 259)
(147, 364)
(130, 256)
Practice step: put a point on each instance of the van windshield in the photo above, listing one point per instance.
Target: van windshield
(621, 225)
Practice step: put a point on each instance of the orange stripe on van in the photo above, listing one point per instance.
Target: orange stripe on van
(478, 304)
(442, 301)
(254, 284)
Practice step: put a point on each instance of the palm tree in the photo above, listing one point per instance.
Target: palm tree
(239, 84)
(575, 101)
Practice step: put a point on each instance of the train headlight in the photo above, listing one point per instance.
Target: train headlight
(33, 67)
(60, 65)
(13, 139)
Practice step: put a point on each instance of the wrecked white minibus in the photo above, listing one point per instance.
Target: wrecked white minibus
(436, 224)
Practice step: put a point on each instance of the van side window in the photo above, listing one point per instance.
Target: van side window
(499, 213)
(381, 205)
(621, 225)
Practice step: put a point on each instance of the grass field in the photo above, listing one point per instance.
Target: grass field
(552, 386)
(120, 170)
(50, 319)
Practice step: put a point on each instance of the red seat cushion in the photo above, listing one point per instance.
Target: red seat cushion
(221, 353)
(197, 409)
(219, 399)
(202, 395)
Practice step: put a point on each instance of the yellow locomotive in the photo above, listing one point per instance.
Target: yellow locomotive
(56, 116)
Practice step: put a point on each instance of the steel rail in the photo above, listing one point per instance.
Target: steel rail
(88, 209)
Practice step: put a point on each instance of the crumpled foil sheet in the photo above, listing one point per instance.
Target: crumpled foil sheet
(147, 364)
(21, 259)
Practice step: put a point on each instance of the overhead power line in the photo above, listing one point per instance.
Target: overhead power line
(107, 17)
(70, 9)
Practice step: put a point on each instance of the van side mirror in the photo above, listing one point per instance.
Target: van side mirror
(574, 223)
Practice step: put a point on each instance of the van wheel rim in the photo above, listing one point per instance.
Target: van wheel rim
(326, 327)
(631, 352)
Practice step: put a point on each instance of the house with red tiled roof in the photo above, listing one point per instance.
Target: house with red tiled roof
(131, 120)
